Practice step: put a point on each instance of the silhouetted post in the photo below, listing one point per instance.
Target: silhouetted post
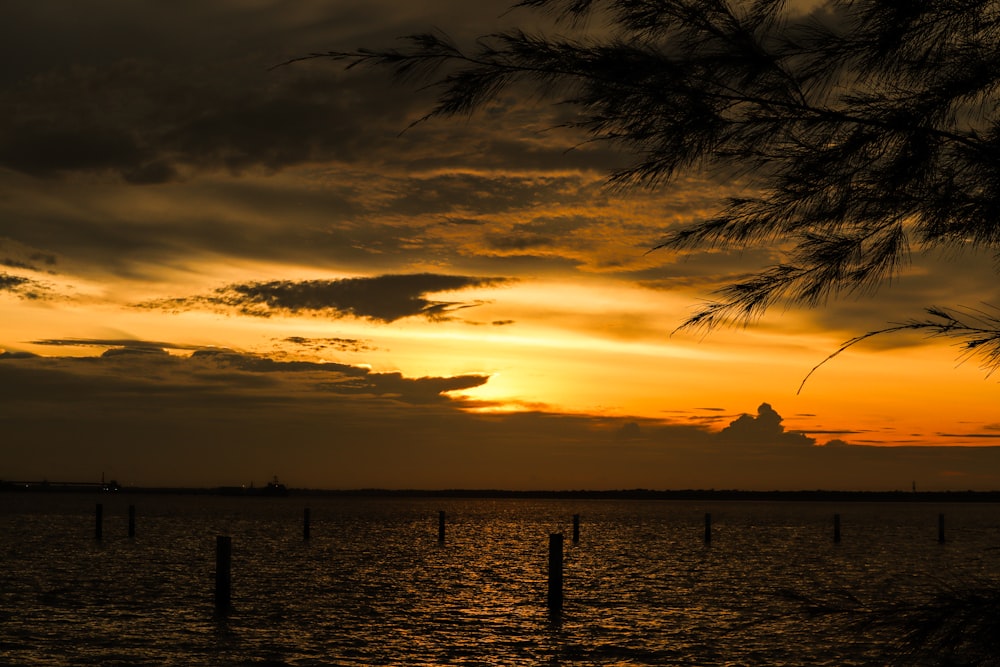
(131, 520)
(305, 524)
(708, 527)
(555, 573)
(441, 526)
(836, 528)
(941, 528)
(223, 573)
(576, 528)
(99, 521)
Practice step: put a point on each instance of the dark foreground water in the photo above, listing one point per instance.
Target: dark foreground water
(374, 587)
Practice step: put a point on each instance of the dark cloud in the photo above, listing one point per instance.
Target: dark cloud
(13, 354)
(116, 343)
(382, 298)
(149, 126)
(23, 287)
(231, 360)
(134, 352)
(151, 110)
(162, 110)
(449, 195)
(541, 233)
(416, 390)
(222, 417)
(100, 96)
(141, 372)
(42, 150)
(341, 344)
(197, 419)
(97, 230)
(764, 429)
(124, 95)
(10, 283)
(31, 263)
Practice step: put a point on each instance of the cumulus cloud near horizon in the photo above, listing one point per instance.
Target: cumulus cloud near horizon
(765, 428)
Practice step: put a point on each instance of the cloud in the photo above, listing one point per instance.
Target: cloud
(154, 114)
(382, 298)
(10, 283)
(25, 288)
(538, 234)
(197, 419)
(28, 260)
(341, 344)
(139, 373)
(14, 354)
(224, 417)
(42, 150)
(987, 436)
(146, 107)
(764, 429)
(116, 343)
(161, 110)
(304, 166)
(629, 431)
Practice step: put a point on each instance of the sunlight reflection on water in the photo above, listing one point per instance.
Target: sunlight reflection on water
(374, 587)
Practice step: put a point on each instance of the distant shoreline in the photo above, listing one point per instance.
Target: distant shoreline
(578, 494)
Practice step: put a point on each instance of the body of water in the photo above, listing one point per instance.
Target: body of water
(373, 586)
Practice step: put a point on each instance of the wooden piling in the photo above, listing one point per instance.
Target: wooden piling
(441, 526)
(305, 524)
(131, 520)
(576, 528)
(99, 521)
(940, 528)
(555, 596)
(223, 573)
(836, 528)
(708, 528)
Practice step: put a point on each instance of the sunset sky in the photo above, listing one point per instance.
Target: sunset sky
(213, 271)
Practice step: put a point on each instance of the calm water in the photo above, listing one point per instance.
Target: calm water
(374, 587)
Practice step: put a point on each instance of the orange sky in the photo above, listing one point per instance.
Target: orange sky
(212, 272)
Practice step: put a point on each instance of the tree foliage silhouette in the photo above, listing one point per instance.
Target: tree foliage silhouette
(864, 135)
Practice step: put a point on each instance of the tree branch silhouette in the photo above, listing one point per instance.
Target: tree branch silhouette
(976, 330)
(863, 133)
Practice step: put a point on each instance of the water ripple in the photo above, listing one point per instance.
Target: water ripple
(374, 586)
